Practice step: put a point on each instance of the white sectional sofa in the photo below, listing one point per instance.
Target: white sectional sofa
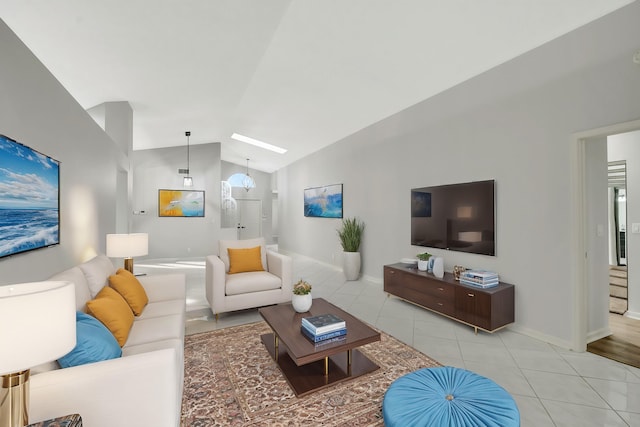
(141, 388)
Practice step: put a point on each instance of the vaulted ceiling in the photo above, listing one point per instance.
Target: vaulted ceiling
(299, 74)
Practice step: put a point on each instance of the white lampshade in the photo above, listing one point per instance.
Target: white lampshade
(37, 324)
(127, 245)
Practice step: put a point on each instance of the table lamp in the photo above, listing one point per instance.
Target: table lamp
(127, 246)
(37, 325)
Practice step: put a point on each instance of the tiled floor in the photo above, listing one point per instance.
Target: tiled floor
(551, 386)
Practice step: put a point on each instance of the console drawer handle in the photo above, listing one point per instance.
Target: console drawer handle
(440, 304)
(441, 289)
(471, 295)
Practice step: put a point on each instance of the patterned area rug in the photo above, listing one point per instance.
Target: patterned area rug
(231, 380)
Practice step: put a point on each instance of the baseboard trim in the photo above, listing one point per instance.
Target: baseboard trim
(599, 334)
(567, 345)
(632, 315)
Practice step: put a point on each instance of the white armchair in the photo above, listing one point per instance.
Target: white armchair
(229, 292)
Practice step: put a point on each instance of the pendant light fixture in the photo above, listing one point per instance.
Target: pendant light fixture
(247, 182)
(187, 181)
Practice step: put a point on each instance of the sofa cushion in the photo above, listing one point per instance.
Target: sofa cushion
(97, 271)
(224, 245)
(94, 342)
(131, 290)
(77, 277)
(156, 329)
(254, 281)
(162, 308)
(112, 310)
(244, 260)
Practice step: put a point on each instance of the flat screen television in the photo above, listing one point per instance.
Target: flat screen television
(29, 199)
(456, 217)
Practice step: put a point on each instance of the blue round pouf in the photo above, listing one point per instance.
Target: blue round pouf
(448, 396)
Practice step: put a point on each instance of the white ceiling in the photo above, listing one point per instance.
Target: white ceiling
(300, 74)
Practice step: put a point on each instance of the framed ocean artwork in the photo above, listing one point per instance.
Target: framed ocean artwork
(323, 202)
(181, 203)
(29, 199)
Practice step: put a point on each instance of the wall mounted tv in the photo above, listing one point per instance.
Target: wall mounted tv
(29, 199)
(457, 217)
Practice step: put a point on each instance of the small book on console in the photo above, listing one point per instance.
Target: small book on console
(323, 323)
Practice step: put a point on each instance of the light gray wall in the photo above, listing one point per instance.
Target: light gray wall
(627, 147)
(158, 169)
(512, 124)
(38, 112)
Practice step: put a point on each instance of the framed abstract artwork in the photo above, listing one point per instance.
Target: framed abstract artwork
(323, 202)
(181, 203)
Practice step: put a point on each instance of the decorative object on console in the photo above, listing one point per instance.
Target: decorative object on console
(187, 181)
(301, 298)
(457, 269)
(32, 338)
(438, 267)
(323, 202)
(189, 203)
(423, 261)
(480, 278)
(350, 237)
(33, 222)
(127, 246)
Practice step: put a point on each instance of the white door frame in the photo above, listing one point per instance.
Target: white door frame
(579, 229)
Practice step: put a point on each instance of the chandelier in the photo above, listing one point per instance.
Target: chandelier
(247, 182)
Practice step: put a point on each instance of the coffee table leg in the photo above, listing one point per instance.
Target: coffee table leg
(326, 366)
(276, 351)
(349, 360)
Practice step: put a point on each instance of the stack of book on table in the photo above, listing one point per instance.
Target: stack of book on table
(479, 278)
(323, 327)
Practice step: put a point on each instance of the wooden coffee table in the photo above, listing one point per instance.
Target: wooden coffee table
(307, 366)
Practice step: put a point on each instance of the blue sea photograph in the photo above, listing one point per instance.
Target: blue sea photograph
(323, 202)
(29, 184)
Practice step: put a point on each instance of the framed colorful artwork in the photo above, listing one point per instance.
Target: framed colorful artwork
(323, 202)
(181, 203)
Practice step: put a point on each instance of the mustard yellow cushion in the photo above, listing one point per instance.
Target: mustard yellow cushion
(131, 290)
(244, 260)
(112, 310)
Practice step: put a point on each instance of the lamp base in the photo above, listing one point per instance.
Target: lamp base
(128, 264)
(14, 399)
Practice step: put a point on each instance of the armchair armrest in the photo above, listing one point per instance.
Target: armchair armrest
(215, 282)
(282, 266)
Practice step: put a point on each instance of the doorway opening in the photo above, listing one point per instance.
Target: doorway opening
(619, 338)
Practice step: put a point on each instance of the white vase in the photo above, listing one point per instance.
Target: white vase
(301, 303)
(438, 267)
(423, 265)
(351, 265)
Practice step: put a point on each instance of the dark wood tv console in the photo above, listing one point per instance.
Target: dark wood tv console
(488, 309)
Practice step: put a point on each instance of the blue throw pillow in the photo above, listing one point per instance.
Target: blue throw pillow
(94, 342)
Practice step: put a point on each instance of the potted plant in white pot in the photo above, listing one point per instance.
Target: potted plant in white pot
(423, 261)
(301, 298)
(350, 237)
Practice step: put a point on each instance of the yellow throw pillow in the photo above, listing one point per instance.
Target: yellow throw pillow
(131, 290)
(113, 311)
(244, 260)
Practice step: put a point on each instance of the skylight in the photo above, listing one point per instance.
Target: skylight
(258, 143)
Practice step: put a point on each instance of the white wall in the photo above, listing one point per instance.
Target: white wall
(158, 169)
(513, 124)
(627, 147)
(38, 112)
